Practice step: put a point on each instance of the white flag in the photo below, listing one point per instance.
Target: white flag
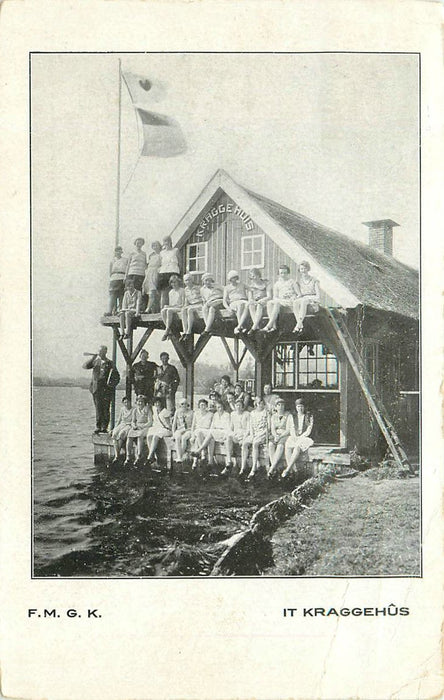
(143, 90)
(162, 135)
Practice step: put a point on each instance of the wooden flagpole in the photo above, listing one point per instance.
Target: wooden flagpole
(117, 232)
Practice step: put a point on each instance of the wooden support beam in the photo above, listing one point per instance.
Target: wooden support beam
(129, 365)
(200, 345)
(189, 373)
(258, 377)
(236, 355)
(183, 354)
(269, 343)
(122, 347)
(244, 352)
(113, 400)
(141, 343)
(229, 353)
(250, 345)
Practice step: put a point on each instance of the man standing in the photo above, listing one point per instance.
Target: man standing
(105, 378)
(144, 376)
(167, 381)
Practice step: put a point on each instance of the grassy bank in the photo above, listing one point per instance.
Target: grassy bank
(358, 527)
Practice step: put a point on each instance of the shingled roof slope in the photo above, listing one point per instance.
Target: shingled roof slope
(377, 280)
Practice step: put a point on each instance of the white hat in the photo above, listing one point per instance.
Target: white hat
(232, 273)
(207, 276)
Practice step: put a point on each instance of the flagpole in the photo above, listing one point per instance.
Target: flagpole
(118, 155)
(117, 232)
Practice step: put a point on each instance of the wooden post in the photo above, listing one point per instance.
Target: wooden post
(114, 351)
(129, 365)
(236, 355)
(113, 400)
(189, 383)
(258, 377)
(189, 372)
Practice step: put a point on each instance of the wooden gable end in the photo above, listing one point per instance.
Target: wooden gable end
(225, 237)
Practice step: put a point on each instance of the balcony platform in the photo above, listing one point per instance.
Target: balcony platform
(224, 323)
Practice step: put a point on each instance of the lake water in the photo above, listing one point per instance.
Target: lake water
(94, 521)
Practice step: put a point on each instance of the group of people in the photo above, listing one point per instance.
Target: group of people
(150, 381)
(153, 284)
(248, 301)
(139, 283)
(229, 417)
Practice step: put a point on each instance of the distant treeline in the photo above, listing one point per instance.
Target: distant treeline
(62, 381)
(204, 377)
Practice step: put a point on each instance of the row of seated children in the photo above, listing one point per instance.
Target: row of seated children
(246, 300)
(196, 433)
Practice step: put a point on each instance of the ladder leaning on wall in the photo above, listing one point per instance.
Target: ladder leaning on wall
(371, 395)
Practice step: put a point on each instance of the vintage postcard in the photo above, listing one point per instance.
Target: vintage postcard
(223, 428)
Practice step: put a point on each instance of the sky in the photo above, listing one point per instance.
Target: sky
(332, 136)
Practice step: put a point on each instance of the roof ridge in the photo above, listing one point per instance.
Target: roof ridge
(359, 244)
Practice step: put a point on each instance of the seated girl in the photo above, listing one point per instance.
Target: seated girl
(151, 281)
(199, 430)
(212, 296)
(309, 295)
(218, 432)
(176, 300)
(281, 424)
(142, 419)
(299, 440)
(193, 304)
(131, 307)
(235, 299)
(213, 398)
(285, 294)
(229, 399)
(181, 428)
(257, 436)
(239, 430)
(122, 427)
(161, 428)
(260, 293)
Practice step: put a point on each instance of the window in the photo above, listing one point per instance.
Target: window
(252, 251)
(408, 367)
(371, 360)
(305, 365)
(284, 366)
(196, 257)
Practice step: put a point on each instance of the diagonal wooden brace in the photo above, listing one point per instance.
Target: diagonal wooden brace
(123, 350)
(141, 343)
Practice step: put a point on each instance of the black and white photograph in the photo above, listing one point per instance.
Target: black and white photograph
(225, 314)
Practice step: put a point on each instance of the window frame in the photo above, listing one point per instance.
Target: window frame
(243, 251)
(188, 257)
(416, 370)
(372, 346)
(296, 388)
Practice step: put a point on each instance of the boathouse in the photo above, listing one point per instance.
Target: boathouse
(356, 364)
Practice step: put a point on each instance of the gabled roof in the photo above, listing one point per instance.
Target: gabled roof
(350, 272)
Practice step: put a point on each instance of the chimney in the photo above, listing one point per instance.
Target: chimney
(380, 235)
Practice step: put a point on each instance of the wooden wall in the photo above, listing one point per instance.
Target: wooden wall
(395, 337)
(224, 234)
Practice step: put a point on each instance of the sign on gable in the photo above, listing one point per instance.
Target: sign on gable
(228, 208)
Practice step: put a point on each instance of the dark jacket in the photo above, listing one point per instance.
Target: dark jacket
(104, 374)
